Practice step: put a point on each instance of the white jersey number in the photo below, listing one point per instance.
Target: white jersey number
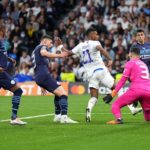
(33, 60)
(145, 72)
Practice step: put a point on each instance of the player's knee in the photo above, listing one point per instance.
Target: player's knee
(18, 92)
(93, 99)
(64, 93)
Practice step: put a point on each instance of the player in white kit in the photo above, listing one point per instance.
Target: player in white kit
(97, 73)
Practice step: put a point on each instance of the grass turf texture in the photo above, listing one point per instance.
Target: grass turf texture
(42, 134)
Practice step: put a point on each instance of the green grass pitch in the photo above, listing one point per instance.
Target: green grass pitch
(42, 134)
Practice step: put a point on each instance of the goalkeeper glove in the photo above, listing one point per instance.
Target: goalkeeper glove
(108, 98)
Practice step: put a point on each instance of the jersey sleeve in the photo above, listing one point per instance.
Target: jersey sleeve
(44, 48)
(76, 49)
(97, 43)
(125, 76)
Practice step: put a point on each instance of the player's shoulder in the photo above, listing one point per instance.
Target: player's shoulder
(129, 63)
(40, 47)
(134, 45)
(43, 47)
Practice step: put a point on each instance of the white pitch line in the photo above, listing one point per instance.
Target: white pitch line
(45, 115)
(29, 117)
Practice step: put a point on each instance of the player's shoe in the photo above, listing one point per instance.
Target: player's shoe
(65, 119)
(118, 121)
(136, 111)
(57, 118)
(17, 121)
(88, 115)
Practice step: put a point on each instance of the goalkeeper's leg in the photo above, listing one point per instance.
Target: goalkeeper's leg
(133, 107)
(127, 98)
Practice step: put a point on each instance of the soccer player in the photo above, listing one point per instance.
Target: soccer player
(144, 56)
(7, 82)
(40, 57)
(143, 46)
(137, 72)
(97, 73)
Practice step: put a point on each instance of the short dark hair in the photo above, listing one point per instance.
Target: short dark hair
(46, 37)
(135, 50)
(138, 31)
(90, 30)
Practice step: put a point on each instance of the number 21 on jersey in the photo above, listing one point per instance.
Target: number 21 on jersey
(87, 57)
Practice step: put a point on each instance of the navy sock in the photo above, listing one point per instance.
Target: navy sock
(15, 102)
(57, 106)
(63, 104)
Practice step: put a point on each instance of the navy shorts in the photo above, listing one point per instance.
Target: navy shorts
(47, 82)
(6, 81)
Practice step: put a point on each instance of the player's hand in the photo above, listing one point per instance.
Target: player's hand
(43, 91)
(113, 93)
(108, 98)
(110, 62)
(64, 54)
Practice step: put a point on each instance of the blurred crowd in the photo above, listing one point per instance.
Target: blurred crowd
(116, 22)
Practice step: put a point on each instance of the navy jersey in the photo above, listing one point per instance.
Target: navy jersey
(40, 63)
(144, 52)
(42, 75)
(3, 54)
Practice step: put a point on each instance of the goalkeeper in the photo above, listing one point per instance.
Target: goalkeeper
(137, 72)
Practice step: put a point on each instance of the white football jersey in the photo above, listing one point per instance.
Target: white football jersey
(90, 56)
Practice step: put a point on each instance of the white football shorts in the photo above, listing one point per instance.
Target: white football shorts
(101, 76)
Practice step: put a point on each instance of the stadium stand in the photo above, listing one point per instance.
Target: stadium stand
(116, 21)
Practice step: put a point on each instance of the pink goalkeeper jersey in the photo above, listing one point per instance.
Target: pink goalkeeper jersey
(137, 72)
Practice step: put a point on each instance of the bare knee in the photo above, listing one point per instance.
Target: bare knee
(60, 91)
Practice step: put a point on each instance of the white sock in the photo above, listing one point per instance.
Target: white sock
(131, 107)
(92, 102)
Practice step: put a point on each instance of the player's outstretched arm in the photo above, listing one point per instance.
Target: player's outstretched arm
(47, 54)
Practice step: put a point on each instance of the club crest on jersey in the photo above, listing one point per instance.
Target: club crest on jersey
(12, 82)
(58, 83)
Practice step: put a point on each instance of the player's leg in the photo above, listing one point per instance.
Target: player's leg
(146, 115)
(145, 103)
(63, 102)
(57, 116)
(10, 84)
(134, 109)
(53, 86)
(91, 103)
(94, 82)
(17, 91)
(127, 98)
